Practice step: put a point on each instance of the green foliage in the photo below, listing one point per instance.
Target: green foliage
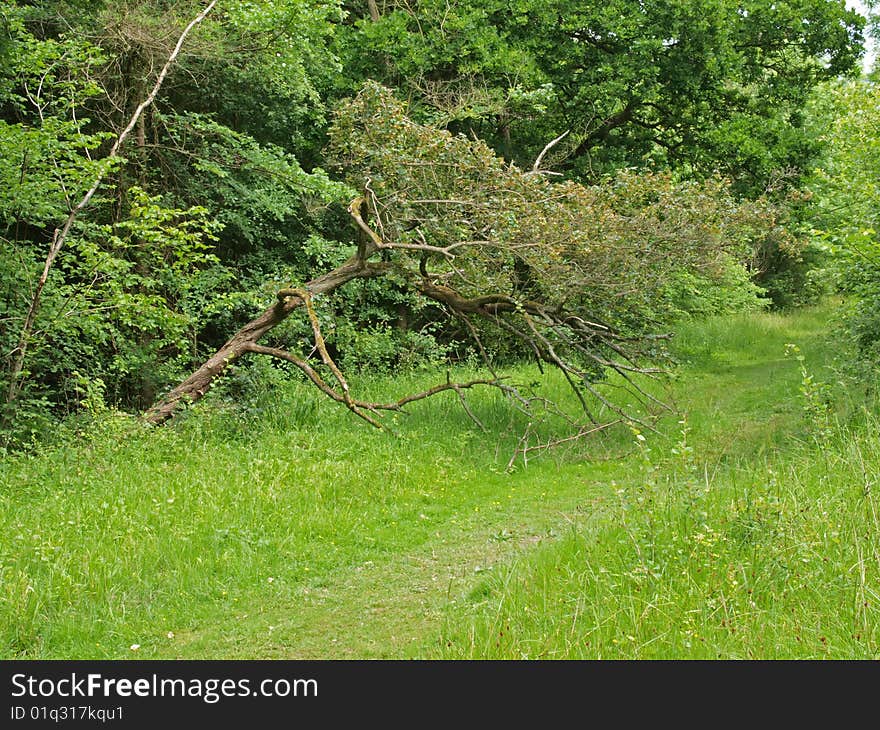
(690, 295)
(786, 262)
(45, 76)
(122, 312)
(701, 84)
(817, 399)
(270, 70)
(846, 213)
(145, 284)
(384, 349)
(456, 63)
(48, 159)
(46, 140)
(261, 196)
(791, 276)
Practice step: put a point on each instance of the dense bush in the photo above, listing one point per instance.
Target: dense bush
(846, 213)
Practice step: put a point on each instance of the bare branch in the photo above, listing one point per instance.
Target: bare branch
(358, 406)
(586, 431)
(536, 168)
(288, 301)
(354, 210)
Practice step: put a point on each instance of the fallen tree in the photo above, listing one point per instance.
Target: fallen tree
(578, 277)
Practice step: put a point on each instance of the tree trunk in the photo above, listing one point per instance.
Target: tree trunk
(197, 384)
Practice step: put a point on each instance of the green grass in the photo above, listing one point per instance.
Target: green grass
(773, 558)
(294, 530)
(756, 535)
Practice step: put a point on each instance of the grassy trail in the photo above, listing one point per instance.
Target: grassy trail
(755, 535)
(390, 608)
(740, 397)
(300, 534)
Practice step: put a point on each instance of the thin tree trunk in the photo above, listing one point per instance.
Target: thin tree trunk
(61, 234)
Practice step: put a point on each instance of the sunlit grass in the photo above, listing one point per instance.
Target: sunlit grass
(274, 530)
(754, 534)
(771, 558)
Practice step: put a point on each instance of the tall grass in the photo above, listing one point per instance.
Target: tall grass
(289, 528)
(773, 558)
(754, 534)
(127, 536)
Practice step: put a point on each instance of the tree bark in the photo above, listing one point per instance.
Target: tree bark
(600, 134)
(197, 384)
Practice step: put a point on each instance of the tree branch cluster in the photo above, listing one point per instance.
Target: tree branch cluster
(572, 276)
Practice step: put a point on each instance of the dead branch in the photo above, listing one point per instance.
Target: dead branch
(288, 301)
(552, 443)
(358, 406)
(536, 168)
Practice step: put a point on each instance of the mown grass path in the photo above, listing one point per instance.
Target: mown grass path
(740, 393)
(755, 535)
(301, 534)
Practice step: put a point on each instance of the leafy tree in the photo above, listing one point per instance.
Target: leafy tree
(846, 210)
(49, 91)
(139, 285)
(704, 84)
(577, 276)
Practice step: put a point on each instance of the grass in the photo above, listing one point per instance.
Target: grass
(755, 535)
(749, 530)
(771, 558)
